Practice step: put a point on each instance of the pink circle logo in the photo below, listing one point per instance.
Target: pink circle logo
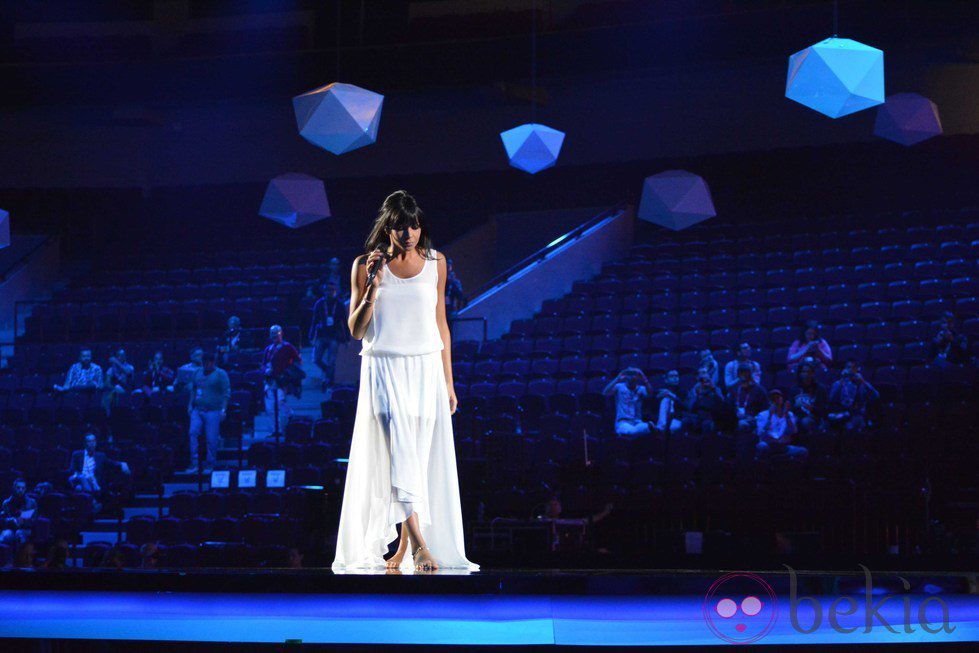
(740, 608)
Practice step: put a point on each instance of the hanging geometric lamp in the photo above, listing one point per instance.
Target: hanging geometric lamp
(4, 229)
(295, 200)
(836, 77)
(675, 199)
(338, 117)
(532, 147)
(907, 118)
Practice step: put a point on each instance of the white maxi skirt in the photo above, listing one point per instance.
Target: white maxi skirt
(402, 461)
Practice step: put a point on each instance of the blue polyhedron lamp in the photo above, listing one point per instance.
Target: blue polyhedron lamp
(295, 200)
(675, 199)
(907, 118)
(532, 147)
(836, 77)
(4, 229)
(338, 117)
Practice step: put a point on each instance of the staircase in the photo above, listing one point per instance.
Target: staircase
(107, 530)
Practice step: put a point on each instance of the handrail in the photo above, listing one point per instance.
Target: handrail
(542, 253)
(21, 261)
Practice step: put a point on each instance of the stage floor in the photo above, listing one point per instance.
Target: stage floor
(495, 607)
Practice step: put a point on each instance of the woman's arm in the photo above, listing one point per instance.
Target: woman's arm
(362, 297)
(443, 325)
(797, 351)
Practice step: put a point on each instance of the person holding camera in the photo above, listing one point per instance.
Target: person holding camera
(849, 398)
(949, 346)
(630, 387)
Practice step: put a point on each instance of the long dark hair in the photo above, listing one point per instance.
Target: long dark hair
(399, 211)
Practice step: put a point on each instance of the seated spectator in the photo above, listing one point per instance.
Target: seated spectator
(708, 361)
(747, 398)
(630, 387)
(158, 377)
(775, 427)
(949, 346)
(24, 557)
(231, 340)
(809, 400)
(89, 470)
(119, 379)
(149, 556)
(57, 557)
(810, 346)
(849, 398)
(16, 515)
(743, 357)
(42, 488)
(669, 417)
(704, 404)
(186, 372)
(83, 375)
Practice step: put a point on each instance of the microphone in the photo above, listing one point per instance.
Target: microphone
(376, 265)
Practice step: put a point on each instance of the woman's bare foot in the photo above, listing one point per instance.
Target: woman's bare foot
(424, 560)
(395, 560)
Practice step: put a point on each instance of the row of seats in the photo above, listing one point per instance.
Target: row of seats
(250, 529)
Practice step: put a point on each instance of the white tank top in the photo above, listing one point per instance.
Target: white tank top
(403, 323)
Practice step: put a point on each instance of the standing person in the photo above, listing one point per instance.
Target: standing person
(278, 357)
(209, 394)
(402, 465)
(454, 299)
(327, 331)
(630, 387)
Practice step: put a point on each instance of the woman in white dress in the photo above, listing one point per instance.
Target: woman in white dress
(402, 467)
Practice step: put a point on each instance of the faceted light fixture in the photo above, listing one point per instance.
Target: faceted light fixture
(532, 147)
(295, 200)
(338, 117)
(836, 77)
(675, 199)
(907, 118)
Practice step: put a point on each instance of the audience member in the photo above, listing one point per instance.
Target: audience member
(57, 557)
(630, 387)
(210, 392)
(849, 398)
(748, 398)
(149, 556)
(158, 377)
(775, 427)
(43, 488)
(708, 361)
(119, 379)
(704, 404)
(90, 468)
(327, 330)
(810, 346)
(949, 346)
(743, 357)
(231, 340)
(16, 514)
(280, 363)
(809, 400)
(454, 299)
(187, 371)
(83, 375)
(24, 557)
(670, 418)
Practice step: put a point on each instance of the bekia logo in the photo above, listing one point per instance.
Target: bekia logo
(740, 608)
